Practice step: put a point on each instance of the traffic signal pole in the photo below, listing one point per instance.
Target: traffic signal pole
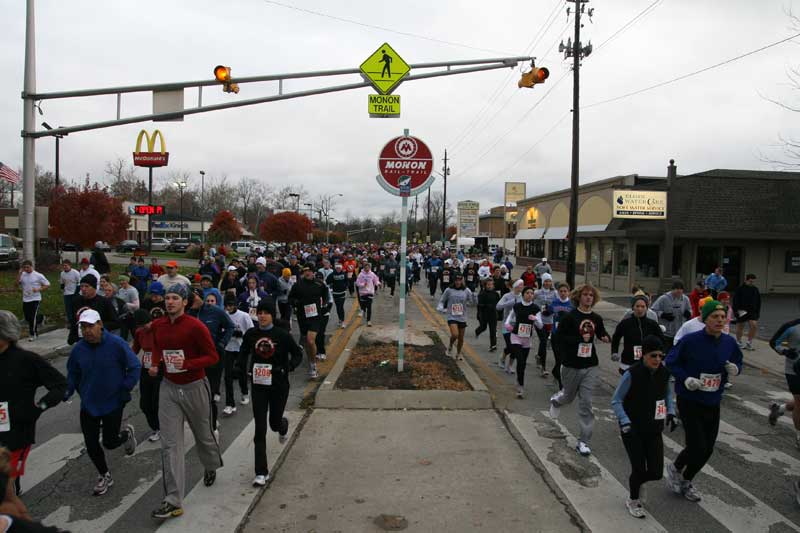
(28, 143)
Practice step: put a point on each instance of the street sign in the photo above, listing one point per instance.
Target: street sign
(406, 166)
(468, 218)
(384, 105)
(150, 158)
(384, 69)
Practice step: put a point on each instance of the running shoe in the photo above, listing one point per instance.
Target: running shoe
(674, 479)
(775, 411)
(229, 410)
(749, 346)
(360, 313)
(477, 333)
(544, 372)
(154, 436)
(369, 323)
(260, 481)
(217, 398)
(104, 482)
(635, 508)
(312, 372)
(689, 492)
(322, 356)
(501, 361)
(167, 510)
(130, 442)
(493, 348)
(583, 449)
(245, 399)
(209, 477)
(728, 384)
(282, 438)
(520, 392)
(343, 325)
(555, 409)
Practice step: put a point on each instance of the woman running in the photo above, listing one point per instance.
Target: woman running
(524, 316)
(454, 301)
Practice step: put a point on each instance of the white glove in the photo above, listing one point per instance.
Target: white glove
(692, 383)
(731, 369)
(440, 308)
(615, 357)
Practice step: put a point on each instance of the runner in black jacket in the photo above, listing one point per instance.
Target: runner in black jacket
(633, 330)
(88, 297)
(272, 354)
(487, 312)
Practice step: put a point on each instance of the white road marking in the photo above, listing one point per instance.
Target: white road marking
(221, 507)
(48, 458)
(602, 507)
(743, 443)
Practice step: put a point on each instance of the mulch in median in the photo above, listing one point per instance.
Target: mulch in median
(373, 365)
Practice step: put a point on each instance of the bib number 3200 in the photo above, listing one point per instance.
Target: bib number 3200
(262, 374)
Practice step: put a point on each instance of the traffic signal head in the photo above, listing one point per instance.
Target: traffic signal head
(536, 75)
(223, 75)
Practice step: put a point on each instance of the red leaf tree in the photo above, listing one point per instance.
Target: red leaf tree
(285, 227)
(224, 228)
(85, 216)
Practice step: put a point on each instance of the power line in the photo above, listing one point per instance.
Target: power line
(505, 82)
(628, 24)
(381, 28)
(690, 74)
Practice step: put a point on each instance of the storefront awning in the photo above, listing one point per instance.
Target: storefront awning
(559, 233)
(529, 234)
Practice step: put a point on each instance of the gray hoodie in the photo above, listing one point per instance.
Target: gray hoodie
(456, 301)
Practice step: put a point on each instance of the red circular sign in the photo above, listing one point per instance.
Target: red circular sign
(405, 164)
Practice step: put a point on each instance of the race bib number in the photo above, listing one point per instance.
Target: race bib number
(254, 313)
(349, 274)
(434, 269)
(173, 361)
(637, 353)
(391, 271)
(262, 374)
(383, 267)
(292, 279)
(524, 331)
(661, 409)
(470, 277)
(5, 417)
(585, 350)
(310, 310)
(155, 277)
(710, 382)
(457, 309)
(147, 360)
(446, 277)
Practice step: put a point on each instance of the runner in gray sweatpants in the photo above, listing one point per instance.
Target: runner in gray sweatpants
(184, 346)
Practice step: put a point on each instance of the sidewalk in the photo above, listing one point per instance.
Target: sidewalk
(48, 344)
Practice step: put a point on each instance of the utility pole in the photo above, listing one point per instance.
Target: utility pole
(445, 172)
(427, 215)
(203, 207)
(28, 143)
(576, 52)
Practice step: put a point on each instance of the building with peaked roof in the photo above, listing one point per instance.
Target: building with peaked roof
(746, 221)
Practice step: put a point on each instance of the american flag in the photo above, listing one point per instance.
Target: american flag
(8, 174)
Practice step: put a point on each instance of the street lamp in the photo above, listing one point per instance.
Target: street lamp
(296, 196)
(202, 207)
(327, 206)
(181, 185)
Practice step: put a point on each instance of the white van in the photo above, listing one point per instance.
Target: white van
(242, 247)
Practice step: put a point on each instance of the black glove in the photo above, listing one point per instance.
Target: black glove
(238, 333)
(625, 429)
(671, 422)
(687, 314)
(791, 353)
(669, 317)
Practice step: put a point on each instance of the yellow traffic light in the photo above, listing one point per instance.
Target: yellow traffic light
(223, 75)
(536, 75)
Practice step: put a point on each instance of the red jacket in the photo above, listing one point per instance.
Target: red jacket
(191, 336)
(694, 299)
(529, 279)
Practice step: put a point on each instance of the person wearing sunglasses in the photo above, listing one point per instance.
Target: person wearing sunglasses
(643, 404)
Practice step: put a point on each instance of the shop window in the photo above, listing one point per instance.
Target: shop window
(647, 258)
(559, 250)
(608, 260)
(792, 262)
(708, 258)
(621, 251)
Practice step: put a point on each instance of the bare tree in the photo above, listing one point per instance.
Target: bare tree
(123, 181)
(218, 195)
(245, 192)
(282, 198)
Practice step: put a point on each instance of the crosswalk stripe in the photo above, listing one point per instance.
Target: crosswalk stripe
(601, 506)
(751, 449)
(48, 458)
(756, 517)
(221, 507)
(756, 408)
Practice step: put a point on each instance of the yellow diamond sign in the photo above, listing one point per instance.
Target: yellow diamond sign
(385, 69)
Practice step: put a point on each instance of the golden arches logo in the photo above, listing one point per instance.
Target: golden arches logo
(150, 158)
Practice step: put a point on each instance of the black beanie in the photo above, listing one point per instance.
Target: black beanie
(89, 279)
(652, 343)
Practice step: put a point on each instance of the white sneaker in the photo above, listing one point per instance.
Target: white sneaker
(555, 409)
(369, 323)
(216, 398)
(749, 346)
(501, 360)
(674, 478)
(635, 508)
(520, 392)
(360, 313)
(154, 437)
(343, 325)
(260, 481)
(312, 372)
(583, 449)
(245, 400)
(228, 411)
(321, 356)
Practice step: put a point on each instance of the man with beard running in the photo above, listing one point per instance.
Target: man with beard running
(184, 346)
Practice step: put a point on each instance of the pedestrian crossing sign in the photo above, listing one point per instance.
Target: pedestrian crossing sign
(384, 69)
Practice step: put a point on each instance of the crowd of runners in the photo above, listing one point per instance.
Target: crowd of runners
(253, 320)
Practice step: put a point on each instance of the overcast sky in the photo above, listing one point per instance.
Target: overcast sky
(328, 143)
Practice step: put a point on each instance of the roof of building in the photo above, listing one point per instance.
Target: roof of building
(624, 181)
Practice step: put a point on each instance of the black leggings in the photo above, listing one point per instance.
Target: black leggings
(390, 283)
(490, 324)
(268, 400)
(521, 355)
(286, 312)
(646, 454)
(432, 281)
(701, 424)
(214, 374)
(91, 427)
(366, 306)
(238, 360)
(541, 354)
(556, 372)
(320, 339)
(148, 398)
(32, 316)
(339, 301)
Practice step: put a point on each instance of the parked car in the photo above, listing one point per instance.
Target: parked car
(9, 256)
(128, 246)
(242, 247)
(259, 246)
(160, 244)
(71, 247)
(179, 245)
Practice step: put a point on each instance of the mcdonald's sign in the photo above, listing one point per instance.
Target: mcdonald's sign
(150, 158)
